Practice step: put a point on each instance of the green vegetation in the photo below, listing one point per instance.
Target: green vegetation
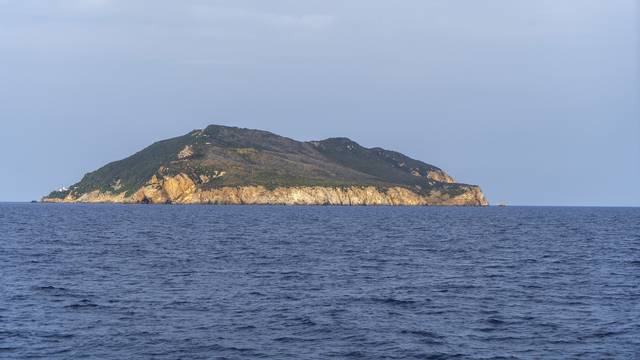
(386, 166)
(226, 156)
(58, 194)
(134, 171)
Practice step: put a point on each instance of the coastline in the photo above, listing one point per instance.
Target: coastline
(173, 193)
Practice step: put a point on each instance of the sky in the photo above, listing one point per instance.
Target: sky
(538, 102)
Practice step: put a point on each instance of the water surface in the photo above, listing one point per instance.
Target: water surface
(242, 282)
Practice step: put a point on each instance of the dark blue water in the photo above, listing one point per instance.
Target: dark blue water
(207, 282)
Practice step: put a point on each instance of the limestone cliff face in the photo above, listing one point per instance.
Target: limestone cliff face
(181, 189)
(440, 176)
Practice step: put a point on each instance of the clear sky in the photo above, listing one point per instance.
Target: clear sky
(538, 102)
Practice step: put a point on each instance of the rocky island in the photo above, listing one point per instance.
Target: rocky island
(229, 165)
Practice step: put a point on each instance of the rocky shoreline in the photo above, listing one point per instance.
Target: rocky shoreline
(180, 189)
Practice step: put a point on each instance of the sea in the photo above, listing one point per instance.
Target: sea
(297, 282)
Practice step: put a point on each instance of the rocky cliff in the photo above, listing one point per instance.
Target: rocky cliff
(225, 165)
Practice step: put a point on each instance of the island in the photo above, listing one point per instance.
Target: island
(230, 165)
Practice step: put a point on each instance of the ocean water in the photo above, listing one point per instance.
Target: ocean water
(245, 282)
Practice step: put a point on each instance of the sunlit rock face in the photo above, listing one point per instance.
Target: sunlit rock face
(224, 165)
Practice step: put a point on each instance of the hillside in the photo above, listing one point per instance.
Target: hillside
(230, 165)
